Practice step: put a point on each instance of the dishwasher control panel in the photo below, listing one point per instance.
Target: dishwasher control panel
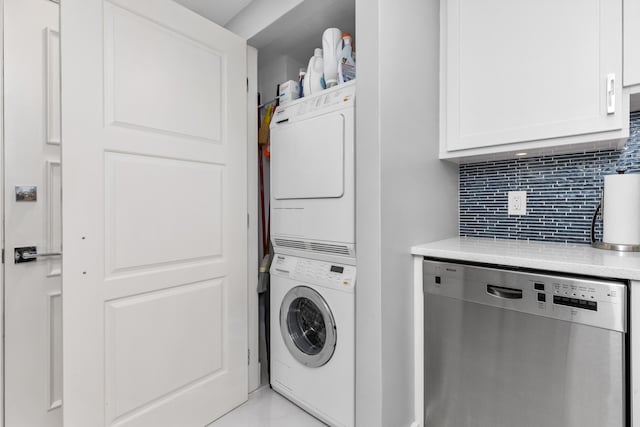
(591, 301)
(582, 294)
(576, 303)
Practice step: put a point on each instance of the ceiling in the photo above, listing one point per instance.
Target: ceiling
(298, 32)
(295, 34)
(218, 11)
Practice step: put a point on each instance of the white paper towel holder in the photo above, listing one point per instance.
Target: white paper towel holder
(616, 246)
(620, 247)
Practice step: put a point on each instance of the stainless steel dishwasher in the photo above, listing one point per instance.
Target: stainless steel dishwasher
(508, 348)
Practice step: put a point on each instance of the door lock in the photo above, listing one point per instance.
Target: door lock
(30, 253)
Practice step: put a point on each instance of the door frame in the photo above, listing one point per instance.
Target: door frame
(253, 258)
(2, 211)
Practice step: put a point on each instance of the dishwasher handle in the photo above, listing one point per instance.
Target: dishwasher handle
(502, 292)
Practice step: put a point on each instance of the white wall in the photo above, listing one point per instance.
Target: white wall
(275, 70)
(258, 15)
(405, 194)
(292, 67)
(270, 74)
(368, 220)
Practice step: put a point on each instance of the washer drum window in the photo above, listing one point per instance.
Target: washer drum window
(308, 327)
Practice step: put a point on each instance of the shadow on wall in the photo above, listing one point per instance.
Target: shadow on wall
(562, 193)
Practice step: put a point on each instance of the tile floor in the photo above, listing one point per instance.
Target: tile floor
(266, 408)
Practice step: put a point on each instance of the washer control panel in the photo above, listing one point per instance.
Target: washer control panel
(322, 273)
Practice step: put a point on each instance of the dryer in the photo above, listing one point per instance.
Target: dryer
(313, 174)
(313, 336)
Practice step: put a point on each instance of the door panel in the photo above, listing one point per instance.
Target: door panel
(54, 214)
(137, 48)
(154, 189)
(33, 299)
(52, 81)
(154, 125)
(55, 354)
(139, 326)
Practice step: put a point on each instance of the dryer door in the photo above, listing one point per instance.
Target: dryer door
(307, 158)
(308, 327)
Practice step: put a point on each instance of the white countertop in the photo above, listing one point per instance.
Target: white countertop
(562, 257)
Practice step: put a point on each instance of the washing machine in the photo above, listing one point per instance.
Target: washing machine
(313, 336)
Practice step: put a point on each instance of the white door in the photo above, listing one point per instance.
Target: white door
(33, 302)
(154, 215)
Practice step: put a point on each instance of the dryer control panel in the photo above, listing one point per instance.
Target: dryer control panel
(328, 100)
(321, 273)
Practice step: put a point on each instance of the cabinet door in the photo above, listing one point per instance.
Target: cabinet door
(631, 42)
(519, 70)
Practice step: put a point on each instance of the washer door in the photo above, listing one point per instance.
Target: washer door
(308, 327)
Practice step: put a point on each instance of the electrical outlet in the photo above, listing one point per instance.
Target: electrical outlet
(517, 203)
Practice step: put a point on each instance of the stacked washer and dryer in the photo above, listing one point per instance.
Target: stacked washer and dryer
(313, 274)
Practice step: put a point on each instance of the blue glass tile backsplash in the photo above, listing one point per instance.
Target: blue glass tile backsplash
(562, 192)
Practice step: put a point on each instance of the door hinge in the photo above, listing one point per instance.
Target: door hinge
(248, 221)
(248, 356)
(3, 256)
(247, 84)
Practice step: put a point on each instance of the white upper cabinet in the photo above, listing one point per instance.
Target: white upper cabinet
(521, 75)
(631, 42)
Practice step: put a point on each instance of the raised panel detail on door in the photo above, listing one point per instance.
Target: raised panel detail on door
(53, 85)
(519, 71)
(183, 98)
(54, 216)
(161, 211)
(177, 331)
(55, 350)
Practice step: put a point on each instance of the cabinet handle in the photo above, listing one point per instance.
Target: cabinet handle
(611, 93)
